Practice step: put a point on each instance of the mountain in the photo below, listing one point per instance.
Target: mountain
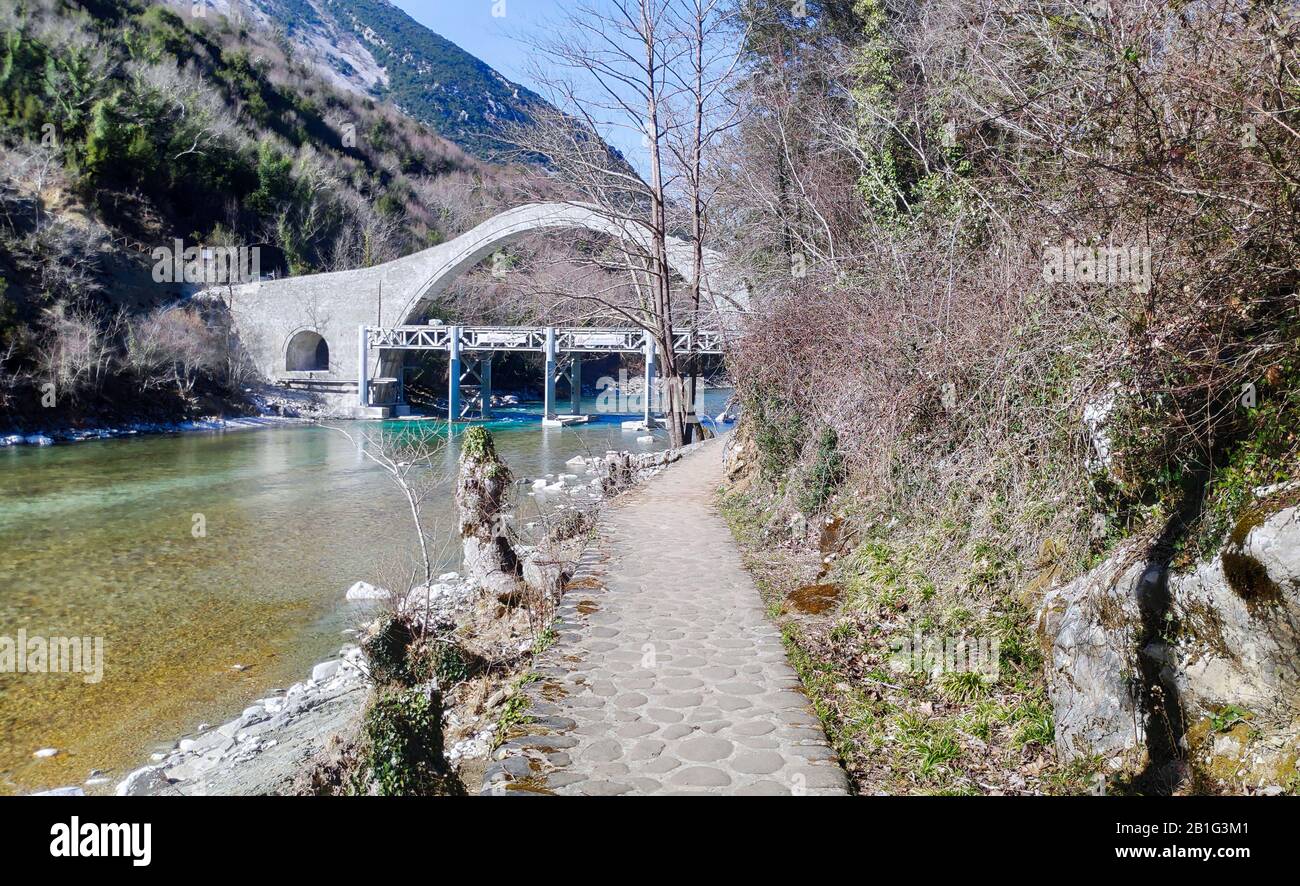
(129, 125)
(198, 127)
(373, 47)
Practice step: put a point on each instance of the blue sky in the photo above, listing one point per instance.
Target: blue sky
(471, 25)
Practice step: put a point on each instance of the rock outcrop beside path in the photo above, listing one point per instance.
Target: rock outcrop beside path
(1227, 649)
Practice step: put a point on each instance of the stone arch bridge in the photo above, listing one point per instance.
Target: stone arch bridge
(312, 331)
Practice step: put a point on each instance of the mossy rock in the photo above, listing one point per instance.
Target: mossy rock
(478, 447)
(385, 648)
(442, 661)
(477, 443)
(404, 745)
(1249, 579)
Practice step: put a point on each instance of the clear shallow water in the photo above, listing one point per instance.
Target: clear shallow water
(96, 540)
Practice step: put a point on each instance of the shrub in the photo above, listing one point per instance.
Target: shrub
(385, 648)
(76, 352)
(825, 474)
(176, 347)
(404, 744)
(441, 661)
(9, 327)
(778, 432)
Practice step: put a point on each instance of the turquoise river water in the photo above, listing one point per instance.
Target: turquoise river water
(97, 540)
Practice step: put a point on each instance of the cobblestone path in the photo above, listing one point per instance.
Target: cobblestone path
(667, 676)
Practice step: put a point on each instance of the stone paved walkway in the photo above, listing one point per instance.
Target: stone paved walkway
(667, 677)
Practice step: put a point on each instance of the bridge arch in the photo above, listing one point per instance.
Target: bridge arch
(472, 247)
(270, 315)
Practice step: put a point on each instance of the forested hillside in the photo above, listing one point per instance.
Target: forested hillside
(1038, 315)
(125, 126)
(374, 48)
(437, 82)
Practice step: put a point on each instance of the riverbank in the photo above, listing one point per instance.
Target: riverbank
(277, 741)
(267, 748)
(268, 406)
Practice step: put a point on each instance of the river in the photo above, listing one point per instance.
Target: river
(213, 566)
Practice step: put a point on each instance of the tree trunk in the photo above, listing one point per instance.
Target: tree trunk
(419, 534)
(660, 282)
(481, 488)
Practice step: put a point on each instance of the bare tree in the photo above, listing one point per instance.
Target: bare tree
(617, 64)
(409, 456)
(177, 345)
(701, 115)
(200, 118)
(77, 351)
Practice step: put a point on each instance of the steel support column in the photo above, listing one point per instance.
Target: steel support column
(575, 385)
(549, 400)
(485, 386)
(650, 360)
(453, 374)
(363, 360)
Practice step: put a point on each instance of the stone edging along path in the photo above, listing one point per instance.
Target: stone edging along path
(667, 676)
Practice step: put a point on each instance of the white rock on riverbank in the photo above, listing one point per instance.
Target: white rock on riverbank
(438, 599)
(147, 780)
(366, 591)
(325, 670)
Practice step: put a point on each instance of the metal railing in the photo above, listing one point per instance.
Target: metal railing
(582, 339)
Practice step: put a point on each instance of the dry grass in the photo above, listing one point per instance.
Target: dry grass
(905, 731)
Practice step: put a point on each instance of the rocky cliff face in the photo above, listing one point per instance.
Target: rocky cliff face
(1092, 631)
(372, 47)
(1211, 655)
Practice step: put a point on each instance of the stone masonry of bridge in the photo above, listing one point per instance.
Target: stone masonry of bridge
(268, 315)
(667, 676)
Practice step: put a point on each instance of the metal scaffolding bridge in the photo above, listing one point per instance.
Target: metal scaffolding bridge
(563, 347)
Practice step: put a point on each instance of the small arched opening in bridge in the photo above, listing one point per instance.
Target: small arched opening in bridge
(307, 352)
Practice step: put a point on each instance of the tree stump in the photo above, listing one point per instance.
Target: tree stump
(482, 486)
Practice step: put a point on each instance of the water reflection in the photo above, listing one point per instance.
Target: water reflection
(98, 539)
